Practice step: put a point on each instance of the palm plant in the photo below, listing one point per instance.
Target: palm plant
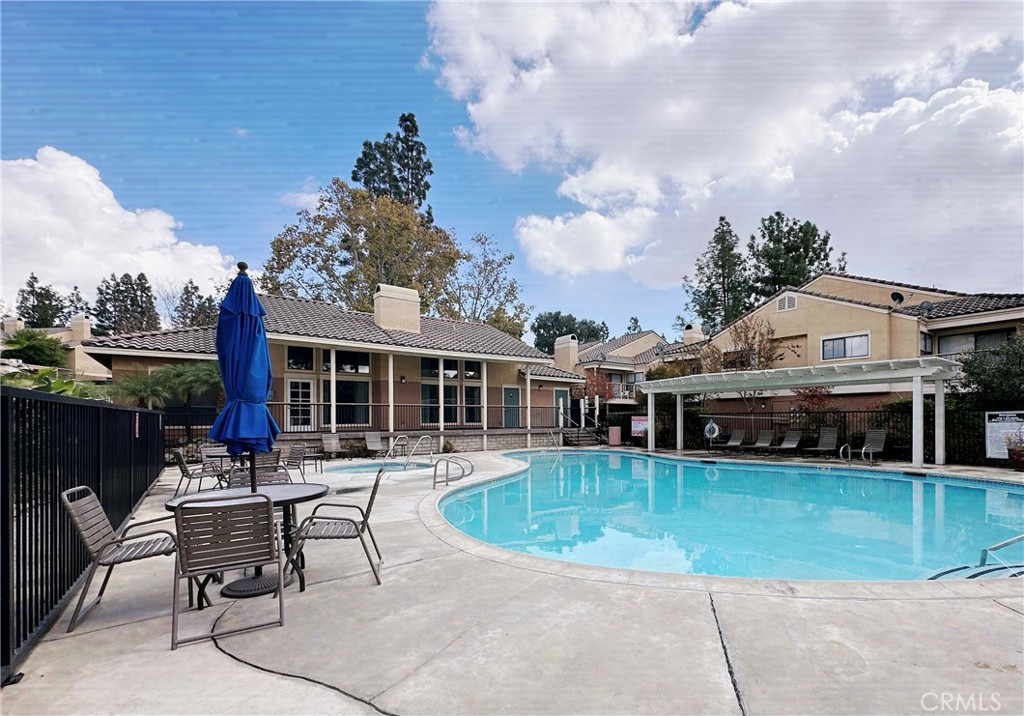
(189, 380)
(147, 390)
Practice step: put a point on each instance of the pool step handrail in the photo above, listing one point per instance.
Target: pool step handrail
(430, 448)
(394, 444)
(849, 452)
(462, 463)
(987, 552)
(554, 443)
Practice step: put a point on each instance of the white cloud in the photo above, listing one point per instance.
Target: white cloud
(241, 132)
(61, 222)
(306, 198)
(895, 126)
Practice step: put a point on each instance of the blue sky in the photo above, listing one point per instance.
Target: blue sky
(599, 142)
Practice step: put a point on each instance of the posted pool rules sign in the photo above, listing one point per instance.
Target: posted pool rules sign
(997, 427)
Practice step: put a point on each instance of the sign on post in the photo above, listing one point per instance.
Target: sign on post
(998, 426)
(638, 426)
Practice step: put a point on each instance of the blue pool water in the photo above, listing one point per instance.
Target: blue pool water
(738, 520)
(372, 467)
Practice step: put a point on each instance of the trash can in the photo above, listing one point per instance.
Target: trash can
(614, 435)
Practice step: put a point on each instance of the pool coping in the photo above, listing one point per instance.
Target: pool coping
(430, 514)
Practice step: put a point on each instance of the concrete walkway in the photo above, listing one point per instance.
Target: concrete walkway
(459, 627)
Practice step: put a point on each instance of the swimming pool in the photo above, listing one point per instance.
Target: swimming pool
(372, 467)
(623, 510)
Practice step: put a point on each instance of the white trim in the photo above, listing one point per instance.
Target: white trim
(288, 338)
(141, 353)
(974, 319)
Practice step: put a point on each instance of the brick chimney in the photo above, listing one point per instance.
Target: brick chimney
(81, 327)
(396, 308)
(567, 352)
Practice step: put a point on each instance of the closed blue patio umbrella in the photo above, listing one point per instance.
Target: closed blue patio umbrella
(245, 425)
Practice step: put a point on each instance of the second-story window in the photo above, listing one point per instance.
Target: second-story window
(347, 362)
(429, 368)
(845, 347)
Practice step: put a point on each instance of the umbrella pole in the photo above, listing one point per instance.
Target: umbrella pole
(252, 469)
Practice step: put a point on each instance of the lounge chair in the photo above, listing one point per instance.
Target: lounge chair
(828, 437)
(332, 445)
(107, 548)
(790, 442)
(874, 443)
(734, 441)
(200, 472)
(217, 535)
(335, 526)
(763, 442)
(374, 444)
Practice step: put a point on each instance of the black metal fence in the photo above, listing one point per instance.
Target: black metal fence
(51, 443)
(965, 430)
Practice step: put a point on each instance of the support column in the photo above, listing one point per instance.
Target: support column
(917, 425)
(529, 405)
(440, 404)
(940, 422)
(391, 393)
(679, 421)
(483, 403)
(650, 422)
(334, 390)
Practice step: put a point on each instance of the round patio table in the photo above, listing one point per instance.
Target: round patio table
(282, 495)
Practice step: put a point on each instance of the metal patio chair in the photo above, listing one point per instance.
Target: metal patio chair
(106, 547)
(764, 440)
(295, 459)
(217, 535)
(200, 472)
(790, 442)
(828, 437)
(374, 444)
(874, 444)
(734, 442)
(332, 445)
(335, 526)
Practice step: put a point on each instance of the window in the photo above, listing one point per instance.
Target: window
(428, 403)
(960, 343)
(471, 370)
(353, 402)
(786, 303)
(927, 344)
(635, 378)
(615, 378)
(451, 369)
(451, 404)
(300, 412)
(472, 398)
(300, 358)
(347, 362)
(429, 368)
(845, 347)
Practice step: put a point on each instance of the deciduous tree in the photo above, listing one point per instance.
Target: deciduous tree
(482, 290)
(549, 325)
(35, 348)
(354, 240)
(994, 379)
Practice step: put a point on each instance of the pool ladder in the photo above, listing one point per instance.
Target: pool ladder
(464, 465)
(404, 440)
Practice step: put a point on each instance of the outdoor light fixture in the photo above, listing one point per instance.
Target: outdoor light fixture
(401, 379)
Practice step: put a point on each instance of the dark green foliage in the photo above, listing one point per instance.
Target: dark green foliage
(194, 309)
(720, 289)
(35, 348)
(550, 325)
(74, 305)
(40, 306)
(634, 325)
(398, 166)
(788, 253)
(126, 305)
(994, 379)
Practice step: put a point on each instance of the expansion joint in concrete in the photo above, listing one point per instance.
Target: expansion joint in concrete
(728, 661)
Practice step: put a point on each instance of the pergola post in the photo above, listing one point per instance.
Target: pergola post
(940, 422)
(650, 422)
(917, 423)
(679, 421)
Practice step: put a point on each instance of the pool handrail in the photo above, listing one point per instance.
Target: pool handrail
(430, 445)
(554, 443)
(985, 553)
(448, 461)
(398, 440)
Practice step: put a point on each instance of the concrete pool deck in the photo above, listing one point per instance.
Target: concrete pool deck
(459, 627)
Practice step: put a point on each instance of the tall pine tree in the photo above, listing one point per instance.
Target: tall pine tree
(194, 309)
(126, 305)
(40, 306)
(788, 253)
(719, 290)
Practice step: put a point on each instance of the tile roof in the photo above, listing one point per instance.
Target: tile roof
(550, 371)
(591, 351)
(316, 319)
(911, 286)
(966, 305)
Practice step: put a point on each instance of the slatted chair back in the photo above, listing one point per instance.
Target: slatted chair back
(374, 443)
(735, 438)
(874, 440)
(240, 477)
(295, 456)
(828, 436)
(209, 451)
(764, 439)
(790, 440)
(90, 521)
(268, 459)
(179, 460)
(373, 496)
(219, 535)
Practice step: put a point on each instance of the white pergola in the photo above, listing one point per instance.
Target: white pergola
(917, 371)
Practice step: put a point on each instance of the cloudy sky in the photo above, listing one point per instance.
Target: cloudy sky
(599, 142)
